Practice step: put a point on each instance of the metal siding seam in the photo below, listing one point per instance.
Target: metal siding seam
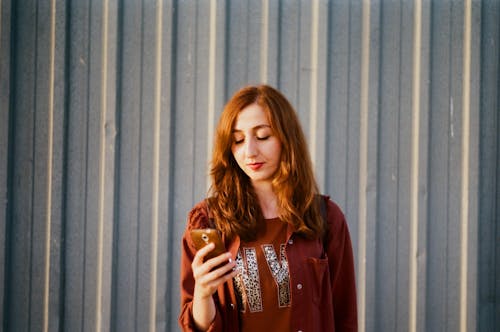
(4, 143)
(363, 162)
(211, 80)
(50, 153)
(314, 80)
(264, 41)
(415, 158)
(100, 231)
(464, 213)
(156, 165)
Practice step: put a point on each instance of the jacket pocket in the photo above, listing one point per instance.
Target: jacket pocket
(321, 311)
(319, 279)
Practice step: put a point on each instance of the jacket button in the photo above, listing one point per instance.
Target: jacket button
(232, 306)
(290, 241)
(299, 286)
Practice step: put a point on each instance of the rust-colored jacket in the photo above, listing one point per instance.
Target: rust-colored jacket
(321, 275)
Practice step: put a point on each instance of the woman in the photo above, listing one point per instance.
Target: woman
(289, 262)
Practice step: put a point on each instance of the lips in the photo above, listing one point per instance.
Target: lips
(255, 166)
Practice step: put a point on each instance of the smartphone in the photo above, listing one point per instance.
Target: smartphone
(202, 237)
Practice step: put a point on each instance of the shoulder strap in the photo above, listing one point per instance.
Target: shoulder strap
(322, 210)
(322, 207)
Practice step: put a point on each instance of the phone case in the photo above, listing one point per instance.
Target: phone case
(202, 237)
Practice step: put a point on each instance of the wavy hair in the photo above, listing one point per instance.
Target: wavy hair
(233, 202)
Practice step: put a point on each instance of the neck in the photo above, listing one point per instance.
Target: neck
(267, 200)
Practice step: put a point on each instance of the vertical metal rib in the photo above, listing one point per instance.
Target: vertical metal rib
(102, 166)
(464, 213)
(156, 165)
(50, 156)
(415, 158)
(313, 111)
(363, 162)
(211, 80)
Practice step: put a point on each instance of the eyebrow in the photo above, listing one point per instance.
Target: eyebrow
(254, 128)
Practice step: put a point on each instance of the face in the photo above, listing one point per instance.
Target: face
(255, 147)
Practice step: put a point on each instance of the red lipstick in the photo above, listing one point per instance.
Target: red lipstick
(255, 166)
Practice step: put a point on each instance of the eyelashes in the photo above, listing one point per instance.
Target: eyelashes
(239, 141)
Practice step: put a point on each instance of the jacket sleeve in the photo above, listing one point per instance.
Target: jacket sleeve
(197, 218)
(342, 276)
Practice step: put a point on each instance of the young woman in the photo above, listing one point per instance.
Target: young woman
(289, 263)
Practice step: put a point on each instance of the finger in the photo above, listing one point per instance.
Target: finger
(211, 281)
(207, 283)
(207, 287)
(223, 269)
(224, 276)
(213, 269)
(220, 275)
(219, 260)
(200, 254)
(202, 269)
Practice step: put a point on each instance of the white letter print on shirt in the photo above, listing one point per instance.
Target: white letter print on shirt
(279, 270)
(247, 283)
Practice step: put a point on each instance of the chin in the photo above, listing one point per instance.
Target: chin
(263, 179)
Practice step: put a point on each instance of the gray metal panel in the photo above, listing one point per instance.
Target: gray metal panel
(488, 311)
(444, 225)
(90, 188)
(107, 116)
(27, 256)
(5, 99)
(394, 175)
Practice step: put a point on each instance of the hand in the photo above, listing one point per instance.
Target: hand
(211, 274)
(208, 276)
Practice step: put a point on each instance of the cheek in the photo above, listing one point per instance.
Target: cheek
(236, 154)
(277, 151)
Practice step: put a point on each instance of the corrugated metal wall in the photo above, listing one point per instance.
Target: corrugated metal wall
(107, 111)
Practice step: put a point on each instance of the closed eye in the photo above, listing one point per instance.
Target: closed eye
(263, 138)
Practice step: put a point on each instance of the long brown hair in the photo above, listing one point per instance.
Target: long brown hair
(234, 204)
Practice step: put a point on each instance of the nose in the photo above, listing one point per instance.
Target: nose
(251, 147)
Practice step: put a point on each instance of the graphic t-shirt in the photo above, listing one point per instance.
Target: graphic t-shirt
(263, 284)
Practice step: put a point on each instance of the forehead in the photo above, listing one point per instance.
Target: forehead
(252, 116)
